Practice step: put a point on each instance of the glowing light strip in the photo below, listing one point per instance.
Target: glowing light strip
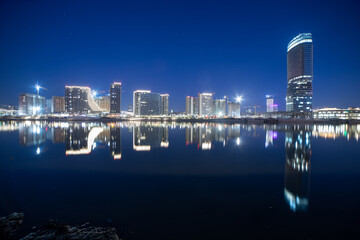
(299, 77)
(294, 44)
(142, 91)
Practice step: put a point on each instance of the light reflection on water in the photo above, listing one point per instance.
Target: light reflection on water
(83, 139)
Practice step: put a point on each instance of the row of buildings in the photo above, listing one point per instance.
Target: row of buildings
(81, 100)
(204, 105)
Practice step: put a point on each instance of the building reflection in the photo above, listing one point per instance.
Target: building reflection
(31, 134)
(115, 141)
(9, 126)
(270, 137)
(81, 139)
(84, 137)
(297, 168)
(205, 135)
(146, 137)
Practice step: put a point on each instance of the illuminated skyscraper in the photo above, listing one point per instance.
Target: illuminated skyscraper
(234, 109)
(78, 99)
(115, 97)
(270, 103)
(57, 104)
(192, 105)
(219, 107)
(147, 103)
(300, 74)
(205, 104)
(164, 104)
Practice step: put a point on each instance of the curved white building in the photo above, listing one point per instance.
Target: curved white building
(78, 99)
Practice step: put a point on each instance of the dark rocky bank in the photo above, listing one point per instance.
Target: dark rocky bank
(10, 225)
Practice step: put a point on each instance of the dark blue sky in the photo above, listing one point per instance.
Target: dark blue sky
(180, 48)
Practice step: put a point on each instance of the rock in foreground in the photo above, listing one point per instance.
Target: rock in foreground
(10, 224)
(55, 230)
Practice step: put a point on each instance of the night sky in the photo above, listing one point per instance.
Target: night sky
(178, 47)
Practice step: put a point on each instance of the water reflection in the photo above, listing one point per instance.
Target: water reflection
(81, 138)
(204, 135)
(115, 141)
(148, 136)
(297, 168)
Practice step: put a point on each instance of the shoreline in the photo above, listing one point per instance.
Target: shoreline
(187, 120)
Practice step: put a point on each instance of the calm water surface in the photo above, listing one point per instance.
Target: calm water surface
(185, 181)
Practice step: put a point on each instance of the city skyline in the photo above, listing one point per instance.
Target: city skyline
(246, 57)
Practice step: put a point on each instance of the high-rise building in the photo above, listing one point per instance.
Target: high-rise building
(104, 103)
(300, 74)
(219, 107)
(48, 106)
(31, 104)
(115, 97)
(57, 104)
(78, 99)
(234, 109)
(192, 105)
(164, 104)
(205, 104)
(269, 103)
(146, 103)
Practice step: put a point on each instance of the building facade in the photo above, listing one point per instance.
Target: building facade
(57, 104)
(146, 103)
(300, 74)
(337, 113)
(219, 107)
(31, 104)
(164, 104)
(269, 103)
(79, 100)
(234, 109)
(104, 103)
(115, 97)
(192, 105)
(205, 104)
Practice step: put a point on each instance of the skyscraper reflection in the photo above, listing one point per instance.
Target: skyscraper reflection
(146, 137)
(115, 142)
(297, 168)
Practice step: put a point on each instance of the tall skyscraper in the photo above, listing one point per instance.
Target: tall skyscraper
(300, 74)
(192, 105)
(147, 103)
(31, 104)
(219, 107)
(115, 97)
(57, 104)
(205, 104)
(78, 99)
(269, 103)
(164, 104)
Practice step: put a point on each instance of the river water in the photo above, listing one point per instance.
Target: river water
(184, 181)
